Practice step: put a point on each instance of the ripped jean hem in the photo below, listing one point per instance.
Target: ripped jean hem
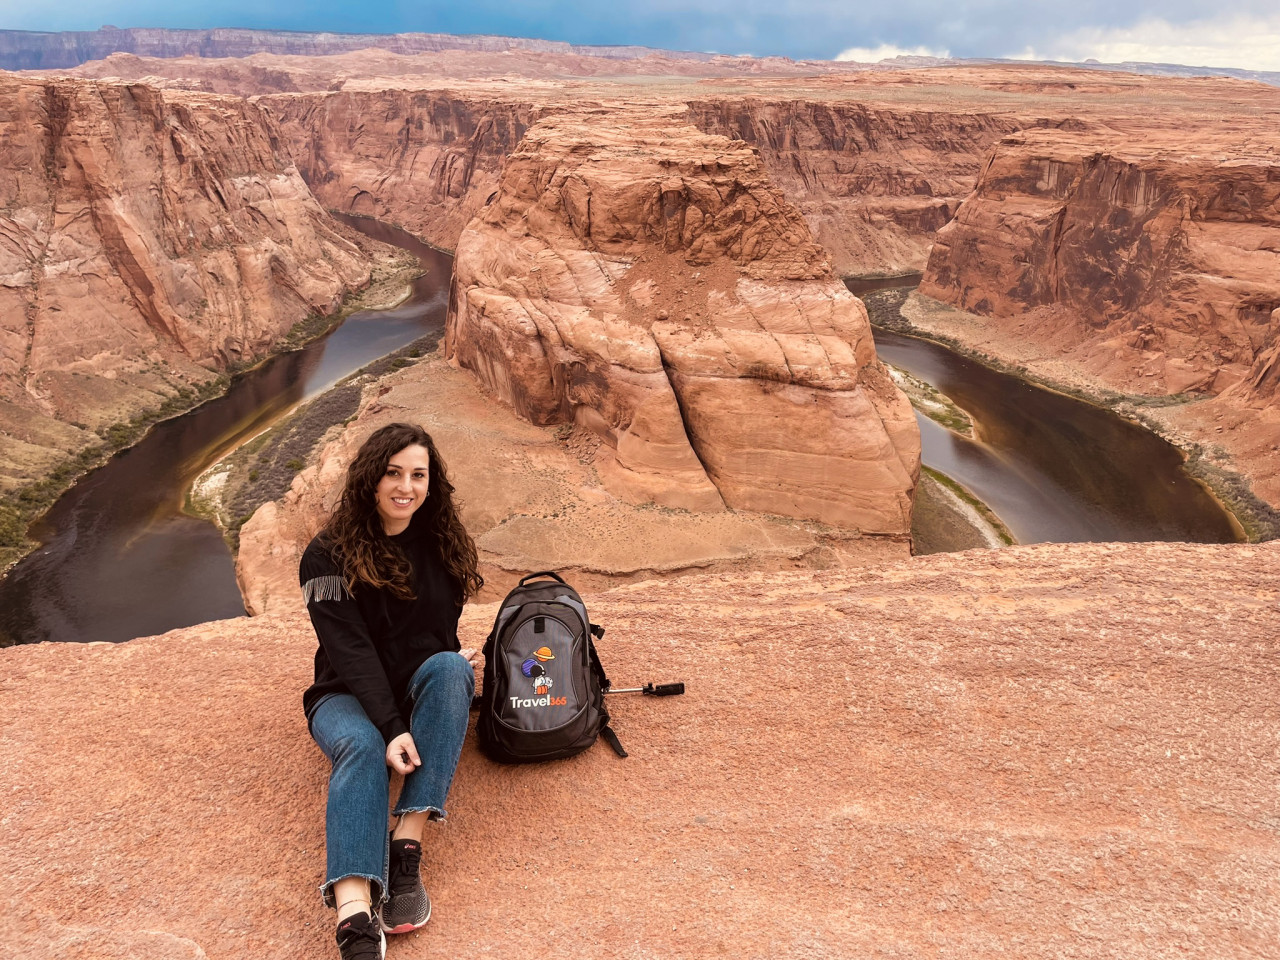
(377, 895)
(437, 813)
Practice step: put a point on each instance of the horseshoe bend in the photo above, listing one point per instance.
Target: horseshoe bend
(650, 376)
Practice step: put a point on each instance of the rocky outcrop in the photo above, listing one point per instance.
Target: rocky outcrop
(647, 282)
(148, 240)
(1153, 267)
(1051, 751)
(240, 77)
(424, 160)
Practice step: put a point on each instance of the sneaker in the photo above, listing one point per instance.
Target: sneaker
(360, 939)
(407, 906)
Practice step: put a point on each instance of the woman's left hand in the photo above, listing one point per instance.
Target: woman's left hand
(402, 754)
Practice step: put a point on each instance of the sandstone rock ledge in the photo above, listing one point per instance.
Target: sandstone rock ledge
(1049, 751)
(647, 282)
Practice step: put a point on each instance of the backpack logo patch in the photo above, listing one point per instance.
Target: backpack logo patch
(537, 673)
(533, 669)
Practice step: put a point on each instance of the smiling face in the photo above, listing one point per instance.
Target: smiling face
(403, 487)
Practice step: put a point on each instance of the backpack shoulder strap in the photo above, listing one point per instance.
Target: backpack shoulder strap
(611, 739)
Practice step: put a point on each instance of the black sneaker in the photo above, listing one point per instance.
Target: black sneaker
(407, 907)
(360, 939)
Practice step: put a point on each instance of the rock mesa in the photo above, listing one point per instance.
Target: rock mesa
(642, 279)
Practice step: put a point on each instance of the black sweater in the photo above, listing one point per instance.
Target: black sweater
(372, 643)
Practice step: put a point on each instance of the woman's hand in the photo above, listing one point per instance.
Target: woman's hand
(402, 754)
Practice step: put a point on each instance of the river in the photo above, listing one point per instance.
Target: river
(118, 558)
(1053, 468)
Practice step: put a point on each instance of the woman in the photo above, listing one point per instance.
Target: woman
(384, 583)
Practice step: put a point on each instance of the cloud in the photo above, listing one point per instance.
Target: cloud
(1248, 43)
(887, 51)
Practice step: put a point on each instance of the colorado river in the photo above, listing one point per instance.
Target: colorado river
(118, 557)
(1055, 469)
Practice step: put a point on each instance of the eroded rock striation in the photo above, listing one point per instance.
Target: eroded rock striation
(646, 281)
(1152, 260)
(1011, 753)
(148, 240)
(425, 160)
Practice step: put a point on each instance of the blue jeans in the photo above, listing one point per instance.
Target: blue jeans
(356, 825)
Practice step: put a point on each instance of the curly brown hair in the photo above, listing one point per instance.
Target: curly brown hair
(360, 546)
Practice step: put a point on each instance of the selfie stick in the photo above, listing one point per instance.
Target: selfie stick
(661, 690)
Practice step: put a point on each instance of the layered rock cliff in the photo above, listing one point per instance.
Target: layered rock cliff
(876, 162)
(148, 240)
(647, 282)
(874, 182)
(1050, 752)
(1154, 267)
(425, 160)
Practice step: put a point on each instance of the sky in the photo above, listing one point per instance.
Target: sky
(1225, 33)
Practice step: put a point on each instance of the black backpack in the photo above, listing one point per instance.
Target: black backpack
(544, 687)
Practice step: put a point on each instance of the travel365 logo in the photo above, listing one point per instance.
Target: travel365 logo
(534, 667)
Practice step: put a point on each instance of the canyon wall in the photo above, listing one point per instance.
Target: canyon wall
(647, 282)
(874, 183)
(425, 160)
(148, 240)
(1154, 267)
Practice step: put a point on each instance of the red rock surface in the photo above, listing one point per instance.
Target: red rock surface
(646, 282)
(1048, 752)
(148, 240)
